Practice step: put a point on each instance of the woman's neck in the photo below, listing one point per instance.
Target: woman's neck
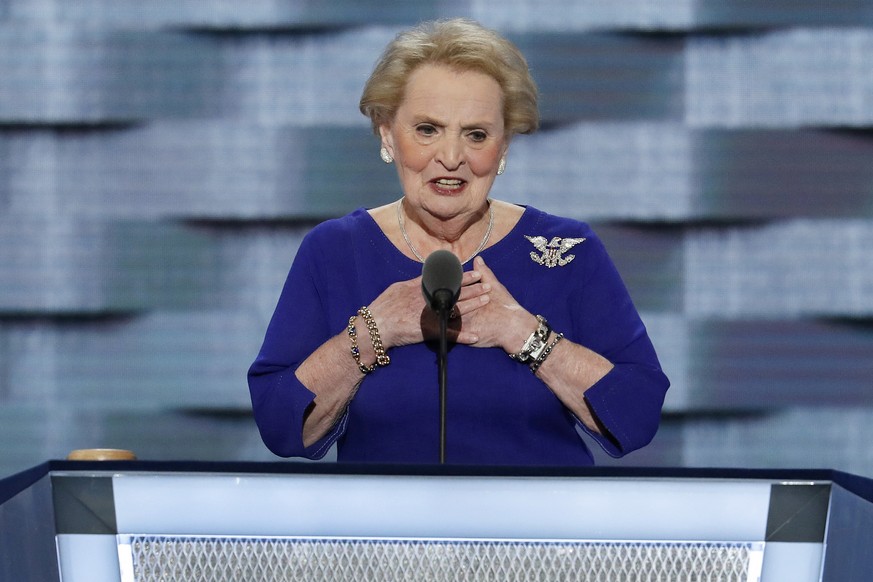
(462, 235)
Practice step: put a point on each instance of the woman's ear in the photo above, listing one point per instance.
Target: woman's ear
(387, 138)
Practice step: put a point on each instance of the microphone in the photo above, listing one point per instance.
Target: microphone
(441, 280)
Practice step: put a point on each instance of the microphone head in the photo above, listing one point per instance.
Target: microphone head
(441, 278)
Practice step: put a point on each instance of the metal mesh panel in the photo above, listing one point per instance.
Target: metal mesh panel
(219, 559)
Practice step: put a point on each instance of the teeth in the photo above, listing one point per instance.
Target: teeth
(446, 182)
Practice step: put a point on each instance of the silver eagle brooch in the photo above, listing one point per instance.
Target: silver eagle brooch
(552, 251)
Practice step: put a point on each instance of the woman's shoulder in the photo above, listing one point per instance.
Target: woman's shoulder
(341, 226)
(536, 222)
(335, 236)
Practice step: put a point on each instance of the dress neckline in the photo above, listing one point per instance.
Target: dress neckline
(496, 250)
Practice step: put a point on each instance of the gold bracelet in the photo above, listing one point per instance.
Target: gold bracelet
(535, 365)
(356, 353)
(382, 358)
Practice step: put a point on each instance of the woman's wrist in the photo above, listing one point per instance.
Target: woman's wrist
(382, 358)
(538, 345)
(519, 331)
(365, 341)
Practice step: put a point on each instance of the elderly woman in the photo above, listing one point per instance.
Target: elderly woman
(545, 339)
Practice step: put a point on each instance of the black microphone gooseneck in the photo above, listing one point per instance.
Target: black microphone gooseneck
(441, 284)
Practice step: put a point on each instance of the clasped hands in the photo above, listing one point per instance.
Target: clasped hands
(486, 314)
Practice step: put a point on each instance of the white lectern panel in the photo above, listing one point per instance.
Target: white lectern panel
(459, 507)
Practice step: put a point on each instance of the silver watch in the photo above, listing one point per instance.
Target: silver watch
(535, 344)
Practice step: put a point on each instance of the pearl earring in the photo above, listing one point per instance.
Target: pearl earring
(385, 155)
(501, 167)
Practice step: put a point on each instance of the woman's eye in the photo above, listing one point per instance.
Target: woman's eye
(426, 130)
(478, 136)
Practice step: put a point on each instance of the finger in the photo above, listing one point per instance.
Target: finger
(470, 278)
(485, 272)
(499, 294)
(489, 279)
(466, 337)
(472, 291)
(468, 305)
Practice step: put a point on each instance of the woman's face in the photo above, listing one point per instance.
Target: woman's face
(447, 138)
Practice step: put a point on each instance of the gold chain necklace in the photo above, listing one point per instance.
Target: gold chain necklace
(418, 255)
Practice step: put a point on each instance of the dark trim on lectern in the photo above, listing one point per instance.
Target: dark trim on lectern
(860, 486)
(798, 513)
(84, 505)
(292, 467)
(15, 484)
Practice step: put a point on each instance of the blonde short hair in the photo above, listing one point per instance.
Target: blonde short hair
(461, 44)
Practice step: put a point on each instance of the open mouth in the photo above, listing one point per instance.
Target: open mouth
(448, 184)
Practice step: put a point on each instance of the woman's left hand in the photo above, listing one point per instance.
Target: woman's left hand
(495, 318)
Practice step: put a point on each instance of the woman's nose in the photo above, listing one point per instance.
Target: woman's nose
(450, 153)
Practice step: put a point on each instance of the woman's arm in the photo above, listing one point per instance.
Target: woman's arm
(570, 369)
(618, 402)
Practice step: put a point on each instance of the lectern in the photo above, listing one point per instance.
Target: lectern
(147, 522)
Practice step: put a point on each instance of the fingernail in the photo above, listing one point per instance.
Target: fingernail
(486, 286)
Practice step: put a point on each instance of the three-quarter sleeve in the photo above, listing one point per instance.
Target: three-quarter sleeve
(627, 401)
(298, 327)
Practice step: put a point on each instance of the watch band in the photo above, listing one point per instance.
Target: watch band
(535, 344)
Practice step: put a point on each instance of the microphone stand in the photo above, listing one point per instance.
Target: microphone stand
(444, 317)
(443, 299)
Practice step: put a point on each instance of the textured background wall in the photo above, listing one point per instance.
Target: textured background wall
(160, 161)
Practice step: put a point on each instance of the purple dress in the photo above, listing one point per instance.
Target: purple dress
(498, 412)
